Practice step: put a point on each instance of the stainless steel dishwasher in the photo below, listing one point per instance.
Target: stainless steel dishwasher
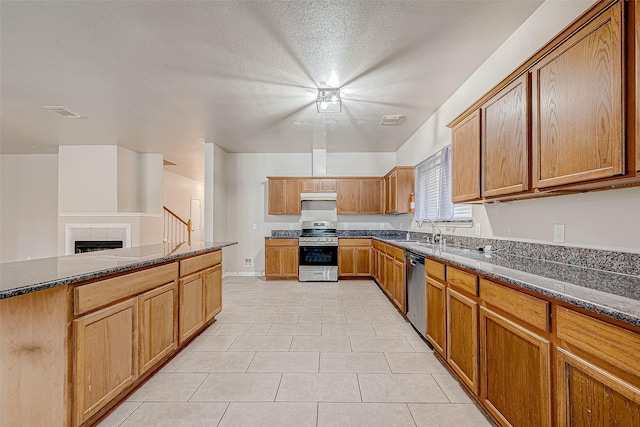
(416, 307)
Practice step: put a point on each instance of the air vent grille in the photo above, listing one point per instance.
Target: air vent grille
(392, 120)
(63, 111)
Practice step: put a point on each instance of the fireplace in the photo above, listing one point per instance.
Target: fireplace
(110, 233)
(81, 246)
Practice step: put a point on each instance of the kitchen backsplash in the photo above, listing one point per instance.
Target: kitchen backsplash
(618, 262)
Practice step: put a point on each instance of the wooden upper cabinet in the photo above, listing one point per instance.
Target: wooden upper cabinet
(399, 184)
(284, 196)
(371, 196)
(465, 159)
(578, 106)
(505, 140)
(317, 185)
(636, 5)
(309, 185)
(348, 196)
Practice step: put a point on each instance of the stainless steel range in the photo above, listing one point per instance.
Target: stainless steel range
(318, 261)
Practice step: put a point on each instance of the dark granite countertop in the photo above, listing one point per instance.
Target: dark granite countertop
(611, 294)
(23, 277)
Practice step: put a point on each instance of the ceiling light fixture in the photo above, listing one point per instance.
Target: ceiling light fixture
(329, 101)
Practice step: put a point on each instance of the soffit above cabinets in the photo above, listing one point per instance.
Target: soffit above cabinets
(166, 77)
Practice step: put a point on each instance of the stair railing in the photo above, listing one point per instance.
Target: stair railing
(176, 229)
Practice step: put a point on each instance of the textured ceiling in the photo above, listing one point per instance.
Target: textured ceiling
(168, 76)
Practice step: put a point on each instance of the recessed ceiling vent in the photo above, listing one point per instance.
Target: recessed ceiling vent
(393, 120)
(63, 111)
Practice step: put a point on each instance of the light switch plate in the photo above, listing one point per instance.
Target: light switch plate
(558, 233)
(254, 226)
(477, 229)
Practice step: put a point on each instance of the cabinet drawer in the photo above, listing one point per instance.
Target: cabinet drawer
(98, 294)
(354, 242)
(280, 242)
(200, 262)
(434, 269)
(612, 344)
(531, 310)
(462, 280)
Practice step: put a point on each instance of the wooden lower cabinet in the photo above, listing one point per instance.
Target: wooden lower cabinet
(191, 305)
(515, 372)
(436, 296)
(399, 285)
(281, 258)
(354, 258)
(105, 356)
(462, 337)
(212, 292)
(158, 325)
(588, 395)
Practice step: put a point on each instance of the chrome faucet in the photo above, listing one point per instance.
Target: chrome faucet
(435, 236)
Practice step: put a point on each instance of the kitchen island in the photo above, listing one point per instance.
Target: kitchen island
(78, 333)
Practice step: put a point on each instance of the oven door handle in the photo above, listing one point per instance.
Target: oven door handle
(316, 244)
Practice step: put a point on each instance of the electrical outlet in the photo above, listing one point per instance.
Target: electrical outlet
(254, 226)
(248, 262)
(382, 226)
(290, 226)
(477, 229)
(558, 233)
(345, 225)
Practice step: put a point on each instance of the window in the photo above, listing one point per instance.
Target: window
(433, 191)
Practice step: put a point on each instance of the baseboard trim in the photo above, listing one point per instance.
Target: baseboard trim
(241, 273)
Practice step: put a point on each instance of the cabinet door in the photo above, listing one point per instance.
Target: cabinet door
(588, 395)
(465, 159)
(371, 196)
(346, 261)
(277, 195)
(399, 285)
(191, 305)
(505, 140)
(272, 261)
(327, 185)
(289, 263)
(158, 326)
(309, 186)
(348, 196)
(393, 192)
(374, 265)
(578, 106)
(436, 315)
(106, 356)
(462, 338)
(212, 292)
(516, 372)
(388, 275)
(636, 5)
(292, 197)
(362, 262)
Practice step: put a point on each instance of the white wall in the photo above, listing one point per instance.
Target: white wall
(220, 195)
(177, 192)
(87, 179)
(247, 198)
(602, 219)
(128, 180)
(28, 206)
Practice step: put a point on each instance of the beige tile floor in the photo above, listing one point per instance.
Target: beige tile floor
(302, 354)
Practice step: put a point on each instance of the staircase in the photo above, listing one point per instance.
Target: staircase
(176, 229)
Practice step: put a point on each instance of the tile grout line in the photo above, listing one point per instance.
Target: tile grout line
(197, 388)
(411, 413)
(275, 398)
(440, 387)
(224, 413)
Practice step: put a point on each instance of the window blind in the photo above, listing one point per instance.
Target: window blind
(433, 190)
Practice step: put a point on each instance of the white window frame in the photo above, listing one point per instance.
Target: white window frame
(433, 192)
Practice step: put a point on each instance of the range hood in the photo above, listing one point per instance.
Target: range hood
(315, 197)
